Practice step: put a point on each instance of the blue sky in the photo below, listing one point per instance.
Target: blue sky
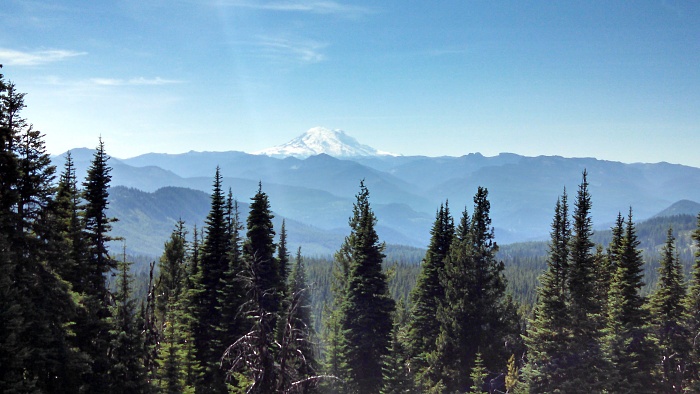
(613, 80)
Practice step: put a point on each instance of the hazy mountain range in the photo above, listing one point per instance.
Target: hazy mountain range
(314, 191)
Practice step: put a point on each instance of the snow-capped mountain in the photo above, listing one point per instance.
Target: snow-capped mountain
(319, 140)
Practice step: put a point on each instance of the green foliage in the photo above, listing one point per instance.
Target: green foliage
(668, 311)
(211, 267)
(692, 304)
(478, 375)
(475, 314)
(126, 370)
(396, 369)
(92, 330)
(428, 293)
(626, 344)
(547, 334)
(366, 307)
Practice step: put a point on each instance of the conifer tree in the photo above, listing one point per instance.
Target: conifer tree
(65, 219)
(40, 306)
(301, 322)
(171, 293)
(172, 271)
(126, 371)
(283, 258)
(11, 125)
(547, 336)
(259, 250)
(428, 292)
(232, 292)
(365, 312)
(626, 344)
(478, 376)
(692, 305)
(512, 380)
(233, 322)
(186, 317)
(398, 378)
(14, 352)
(332, 335)
(93, 331)
(667, 314)
(582, 348)
(476, 315)
(211, 268)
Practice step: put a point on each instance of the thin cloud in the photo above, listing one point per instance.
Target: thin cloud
(304, 52)
(140, 81)
(315, 7)
(13, 57)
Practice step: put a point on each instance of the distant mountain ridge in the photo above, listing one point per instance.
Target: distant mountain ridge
(405, 191)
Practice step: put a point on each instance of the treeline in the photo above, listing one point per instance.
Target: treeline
(227, 309)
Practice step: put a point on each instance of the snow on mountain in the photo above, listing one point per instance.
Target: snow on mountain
(319, 140)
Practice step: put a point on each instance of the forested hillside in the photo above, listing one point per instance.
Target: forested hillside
(230, 307)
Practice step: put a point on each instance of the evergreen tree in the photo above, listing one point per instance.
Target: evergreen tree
(478, 376)
(547, 336)
(626, 345)
(428, 292)
(126, 371)
(301, 323)
(283, 258)
(150, 330)
(692, 305)
(332, 337)
(232, 292)
(582, 347)
(513, 383)
(171, 292)
(212, 266)
(69, 247)
(398, 378)
(186, 312)
(11, 125)
(172, 271)
(259, 250)
(40, 307)
(93, 331)
(365, 312)
(667, 314)
(476, 315)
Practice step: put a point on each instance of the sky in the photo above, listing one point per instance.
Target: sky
(612, 80)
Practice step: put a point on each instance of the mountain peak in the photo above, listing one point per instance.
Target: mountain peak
(320, 140)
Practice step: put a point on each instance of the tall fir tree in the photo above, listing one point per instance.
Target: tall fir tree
(211, 268)
(476, 315)
(582, 348)
(626, 343)
(546, 335)
(283, 258)
(232, 292)
(261, 279)
(40, 306)
(427, 294)
(94, 329)
(365, 312)
(259, 249)
(668, 311)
